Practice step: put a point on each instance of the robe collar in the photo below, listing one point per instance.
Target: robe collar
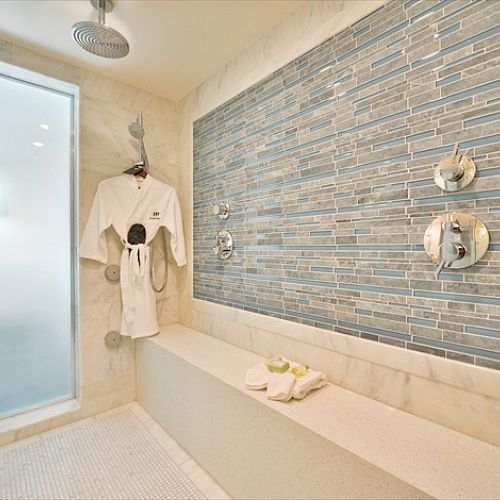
(145, 184)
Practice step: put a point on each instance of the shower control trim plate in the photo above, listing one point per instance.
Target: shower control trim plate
(455, 172)
(455, 241)
(223, 245)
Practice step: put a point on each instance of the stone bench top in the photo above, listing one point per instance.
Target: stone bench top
(439, 461)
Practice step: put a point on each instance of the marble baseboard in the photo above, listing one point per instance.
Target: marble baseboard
(458, 396)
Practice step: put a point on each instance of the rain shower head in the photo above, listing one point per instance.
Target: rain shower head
(97, 38)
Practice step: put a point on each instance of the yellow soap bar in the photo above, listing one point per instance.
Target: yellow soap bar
(299, 371)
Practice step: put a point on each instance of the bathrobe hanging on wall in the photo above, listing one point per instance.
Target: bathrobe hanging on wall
(136, 213)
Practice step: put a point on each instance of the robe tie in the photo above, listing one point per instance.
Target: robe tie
(134, 262)
(136, 258)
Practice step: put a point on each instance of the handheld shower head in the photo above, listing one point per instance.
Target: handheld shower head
(136, 130)
(99, 39)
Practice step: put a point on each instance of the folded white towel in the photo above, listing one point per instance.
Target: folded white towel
(257, 377)
(283, 386)
(280, 386)
(308, 382)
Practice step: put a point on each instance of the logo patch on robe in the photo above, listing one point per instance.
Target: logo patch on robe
(155, 215)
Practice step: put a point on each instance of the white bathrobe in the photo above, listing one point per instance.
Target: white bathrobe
(120, 203)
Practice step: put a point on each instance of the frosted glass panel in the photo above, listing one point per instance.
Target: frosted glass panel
(36, 280)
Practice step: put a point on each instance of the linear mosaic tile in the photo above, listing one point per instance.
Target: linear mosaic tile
(328, 168)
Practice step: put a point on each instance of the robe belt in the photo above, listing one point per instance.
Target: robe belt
(134, 261)
(136, 258)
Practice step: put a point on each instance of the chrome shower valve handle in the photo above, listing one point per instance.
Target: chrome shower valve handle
(221, 210)
(455, 241)
(455, 172)
(450, 252)
(451, 169)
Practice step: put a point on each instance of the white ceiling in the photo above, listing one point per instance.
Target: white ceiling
(174, 44)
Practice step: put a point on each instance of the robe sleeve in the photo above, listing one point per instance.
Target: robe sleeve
(93, 244)
(172, 220)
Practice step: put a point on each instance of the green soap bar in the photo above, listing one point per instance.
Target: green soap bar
(277, 365)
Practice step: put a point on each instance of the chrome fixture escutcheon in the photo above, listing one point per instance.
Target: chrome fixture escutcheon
(455, 241)
(455, 172)
(223, 245)
(221, 210)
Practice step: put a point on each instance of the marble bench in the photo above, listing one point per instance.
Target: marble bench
(333, 444)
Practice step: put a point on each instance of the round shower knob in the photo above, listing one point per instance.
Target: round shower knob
(455, 172)
(221, 210)
(451, 171)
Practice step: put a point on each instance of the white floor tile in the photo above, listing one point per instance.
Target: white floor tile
(112, 456)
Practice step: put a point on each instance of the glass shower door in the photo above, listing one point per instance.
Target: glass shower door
(37, 265)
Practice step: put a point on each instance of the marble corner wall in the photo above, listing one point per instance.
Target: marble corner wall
(107, 376)
(460, 396)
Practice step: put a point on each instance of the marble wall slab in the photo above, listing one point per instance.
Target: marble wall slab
(107, 377)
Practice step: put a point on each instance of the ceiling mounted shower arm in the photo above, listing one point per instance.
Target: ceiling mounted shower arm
(101, 11)
(106, 4)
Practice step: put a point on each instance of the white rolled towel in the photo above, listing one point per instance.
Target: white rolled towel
(280, 386)
(308, 382)
(257, 377)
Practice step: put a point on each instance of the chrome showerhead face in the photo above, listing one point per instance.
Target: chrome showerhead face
(136, 130)
(99, 39)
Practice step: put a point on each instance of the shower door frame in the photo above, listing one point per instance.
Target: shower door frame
(32, 78)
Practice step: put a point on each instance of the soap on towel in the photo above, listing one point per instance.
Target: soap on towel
(278, 365)
(280, 386)
(257, 377)
(308, 382)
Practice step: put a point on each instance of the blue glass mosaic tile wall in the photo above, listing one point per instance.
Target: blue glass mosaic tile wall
(328, 167)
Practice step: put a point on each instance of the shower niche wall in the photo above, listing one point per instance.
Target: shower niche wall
(38, 269)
